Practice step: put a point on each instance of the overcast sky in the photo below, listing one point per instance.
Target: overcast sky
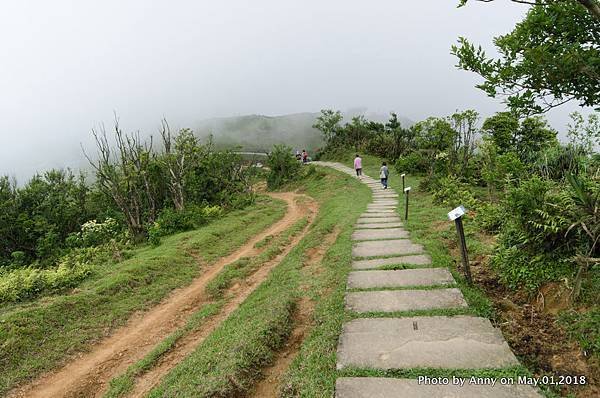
(65, 66)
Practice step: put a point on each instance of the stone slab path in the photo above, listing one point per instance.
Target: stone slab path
(409, 342)
(400, 278)
(381, 233)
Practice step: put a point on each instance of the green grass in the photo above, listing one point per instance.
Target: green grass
(227, 362)
(240, 269)
(509, 372)
(36, 336)
(413, 287)
(585, 328)
(121, 385)
(423, 217)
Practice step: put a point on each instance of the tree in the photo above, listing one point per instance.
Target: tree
(525, 137)
(591, 5)
(179, 156)
(434, 136)
(128, 177)
(465, 125)
(584, 134)
(550, 58)
(501, 129)
(329, 124)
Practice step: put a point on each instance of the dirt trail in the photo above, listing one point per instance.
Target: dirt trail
(270, 384)
(88, 374)
(240, 293)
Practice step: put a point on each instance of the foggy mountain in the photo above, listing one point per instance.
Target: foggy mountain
(261, 132)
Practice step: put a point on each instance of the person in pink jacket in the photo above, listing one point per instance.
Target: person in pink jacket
(358, 165)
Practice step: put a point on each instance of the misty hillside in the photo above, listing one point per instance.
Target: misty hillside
(260, 132)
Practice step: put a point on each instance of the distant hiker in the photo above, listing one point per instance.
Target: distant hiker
(358, 165)
(298, 157)
(383, 174)
(304, 156)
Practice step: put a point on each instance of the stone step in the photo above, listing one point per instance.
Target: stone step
(381, 207)
(378, 225)
(459, 342)
(379, 211)
(399, 278)
(382, 248)
(386, 203)
(380, 387)
(379, 214)
(382, 233)
(421, 259)
(371, 220)
(404, 300)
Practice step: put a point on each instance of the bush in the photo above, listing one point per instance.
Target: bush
(283, 167)
(25, 283)
(490, 217)
(412, 163)
(451, 192)
(171, 221)
(533, 248)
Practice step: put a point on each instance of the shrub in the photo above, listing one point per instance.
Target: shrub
(490, 217)
(411, 163)
(25, 283)
(283, 167)
(532, 244)
(171, 221)
(452, 192)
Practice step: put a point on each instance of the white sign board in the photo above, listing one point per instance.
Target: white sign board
(402, 175)
(406, 189)
(458, 212)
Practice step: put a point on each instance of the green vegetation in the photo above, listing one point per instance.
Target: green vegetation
(549, 58)
(56, 228)
(225, 363)
(283, 167)
(36, 336)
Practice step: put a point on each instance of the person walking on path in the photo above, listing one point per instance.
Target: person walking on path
(358, 165)
(304, 156)
(383, 174)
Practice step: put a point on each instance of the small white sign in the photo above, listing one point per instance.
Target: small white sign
(458, 212)
(403, 175)
(406, 189)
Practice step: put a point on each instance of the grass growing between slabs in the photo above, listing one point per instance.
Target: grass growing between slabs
(424, 220)
(227, 363)
(38, 335)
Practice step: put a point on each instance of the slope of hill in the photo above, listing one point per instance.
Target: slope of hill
(260, 132)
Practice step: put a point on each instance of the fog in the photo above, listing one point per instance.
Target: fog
(66, 66)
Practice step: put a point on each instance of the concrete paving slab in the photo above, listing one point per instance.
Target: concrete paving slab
(399, 278)
(386, 202)
(459, 342)
(378, 206)
(382, 233)
(380, 211)
(375, 220)
(380, 387)
(379, 214)
(378, 225)
(385, 248)
(404, 300)
(421, 259)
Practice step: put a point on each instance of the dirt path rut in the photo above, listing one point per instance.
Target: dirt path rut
(88, 374)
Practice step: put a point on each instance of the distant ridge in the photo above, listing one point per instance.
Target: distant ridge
(261, 132)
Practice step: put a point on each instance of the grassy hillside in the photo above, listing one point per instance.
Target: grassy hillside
(260, 133)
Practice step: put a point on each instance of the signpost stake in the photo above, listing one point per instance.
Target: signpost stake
(406, 192)
(457, 215)
(403, 175)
